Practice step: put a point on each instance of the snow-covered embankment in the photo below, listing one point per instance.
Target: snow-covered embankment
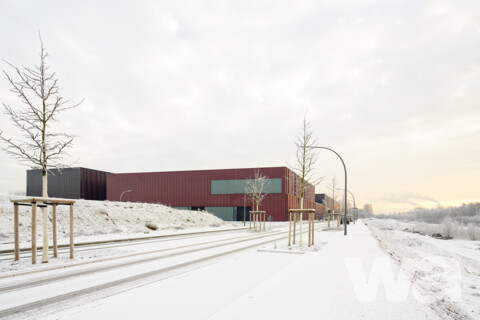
(104, 217)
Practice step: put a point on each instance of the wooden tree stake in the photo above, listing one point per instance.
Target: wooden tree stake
(54, 222)
(309, 229)
(17, 245)
(294, 226)
(301, 233)
(45, 234)
(313, 229)
(71, 231)
(289, 228)
(34, 233)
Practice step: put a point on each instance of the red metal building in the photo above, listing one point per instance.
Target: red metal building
(220, 192)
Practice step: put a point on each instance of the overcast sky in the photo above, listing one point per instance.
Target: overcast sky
(393, 86)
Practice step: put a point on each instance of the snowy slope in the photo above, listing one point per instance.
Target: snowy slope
(104, 217)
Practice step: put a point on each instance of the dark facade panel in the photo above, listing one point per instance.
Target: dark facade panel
(324, 199)
(93, 184)
(63, 183)
(70, 183)
(319, 197)
(34, 183)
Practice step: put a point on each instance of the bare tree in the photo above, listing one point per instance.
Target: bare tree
(255, 188)
(39, 146)
(333, 188)
(306, 159)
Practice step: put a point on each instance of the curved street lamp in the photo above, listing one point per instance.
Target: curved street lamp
(123, 193)
(345, 169)
(354, 203)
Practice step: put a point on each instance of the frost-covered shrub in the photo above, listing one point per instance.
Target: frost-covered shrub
(473, 232)
(426, 228)
(448, 227)
(464, 214)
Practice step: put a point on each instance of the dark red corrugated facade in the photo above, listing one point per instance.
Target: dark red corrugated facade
(193, 189)
(93, 184)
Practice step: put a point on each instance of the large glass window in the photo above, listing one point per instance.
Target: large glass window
(238, 186)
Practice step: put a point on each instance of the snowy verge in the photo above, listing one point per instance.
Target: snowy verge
(445, 273)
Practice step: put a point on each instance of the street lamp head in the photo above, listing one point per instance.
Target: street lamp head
(126, 191)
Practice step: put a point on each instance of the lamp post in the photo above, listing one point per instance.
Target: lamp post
(345, 169)
(123, 193)
(354, 204)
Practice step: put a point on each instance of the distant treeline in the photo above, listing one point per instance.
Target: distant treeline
(464, 214)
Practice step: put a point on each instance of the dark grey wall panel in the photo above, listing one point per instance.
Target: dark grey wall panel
(70, 183)
(319, 197)
(63, 183)
(34, 183)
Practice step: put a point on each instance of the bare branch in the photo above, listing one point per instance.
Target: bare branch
(306, 159)
(37, 89)
(255, 188)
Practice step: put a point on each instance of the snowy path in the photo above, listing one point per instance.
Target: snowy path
(265, 285)
(34, 294)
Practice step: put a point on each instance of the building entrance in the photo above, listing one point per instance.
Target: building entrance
(240, 213)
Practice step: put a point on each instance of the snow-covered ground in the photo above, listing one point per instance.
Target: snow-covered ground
(99, 221)
(445, 272)
(376, 272)
(381, 270)
(96, 218)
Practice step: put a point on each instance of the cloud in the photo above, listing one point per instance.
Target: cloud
(407, 198)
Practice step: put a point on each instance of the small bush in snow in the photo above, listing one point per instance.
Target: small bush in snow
(103, 211)
(473, 232)
(151, 226)
(448, 227)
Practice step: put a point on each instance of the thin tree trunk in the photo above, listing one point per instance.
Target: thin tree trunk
(45, 218)
(301, 223)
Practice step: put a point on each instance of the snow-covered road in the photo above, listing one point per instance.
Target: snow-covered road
(33, 293)
(271, 284)
(378, 271)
